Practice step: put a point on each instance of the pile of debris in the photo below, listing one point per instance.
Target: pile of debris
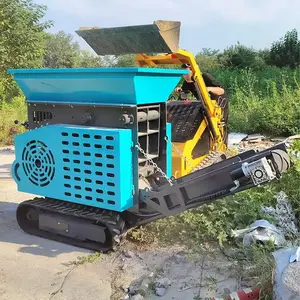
(285, 235)
(243, 142)
(144, 286)
(263, 231)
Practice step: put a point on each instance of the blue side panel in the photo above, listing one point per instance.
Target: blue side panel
(98, 85)
(156, 88)
(85, 165)
(169, 149)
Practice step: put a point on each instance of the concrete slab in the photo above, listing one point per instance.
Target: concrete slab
(205, 276)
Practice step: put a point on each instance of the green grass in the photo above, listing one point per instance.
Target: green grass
(277, 114)
(266, 102)
(263, 83)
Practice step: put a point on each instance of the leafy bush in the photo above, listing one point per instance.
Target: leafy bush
(266, 106)
(263, 82)
(9, 112)
(277, 116)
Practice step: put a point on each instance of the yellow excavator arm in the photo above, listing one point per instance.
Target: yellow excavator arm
(162, 38)
(177, 58)
(213, 117)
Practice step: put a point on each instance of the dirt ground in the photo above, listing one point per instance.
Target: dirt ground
(36, 269)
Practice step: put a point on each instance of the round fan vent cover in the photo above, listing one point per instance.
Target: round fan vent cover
(38, 163)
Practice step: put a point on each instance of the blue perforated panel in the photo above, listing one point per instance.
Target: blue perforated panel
(86, 165)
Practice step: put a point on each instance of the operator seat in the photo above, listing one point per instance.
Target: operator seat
(186, 119)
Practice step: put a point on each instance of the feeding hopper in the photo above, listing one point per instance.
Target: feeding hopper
(98, 85)
(159, 37)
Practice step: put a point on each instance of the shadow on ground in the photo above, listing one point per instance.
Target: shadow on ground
(7, 151)
(5, 171)
(10, 233)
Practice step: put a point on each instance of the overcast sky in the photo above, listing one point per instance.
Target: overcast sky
(204, 24)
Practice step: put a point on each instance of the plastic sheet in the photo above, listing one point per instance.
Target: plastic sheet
(236, 138)
(295, 256)
(260, 231)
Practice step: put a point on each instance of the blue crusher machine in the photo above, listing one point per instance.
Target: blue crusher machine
(96, 155)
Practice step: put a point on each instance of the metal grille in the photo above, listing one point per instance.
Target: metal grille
(41, 116)
(38, 163)
(88, 167)
(185, 120)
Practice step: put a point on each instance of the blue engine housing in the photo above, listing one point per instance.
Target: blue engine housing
(85, 165)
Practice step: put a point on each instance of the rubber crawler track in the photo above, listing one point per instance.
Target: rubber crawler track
(114, 225)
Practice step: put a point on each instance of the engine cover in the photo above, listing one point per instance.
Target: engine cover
(86, 165)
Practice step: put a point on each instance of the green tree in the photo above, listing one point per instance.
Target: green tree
(21, 35)
(209, 52)
(88, 60)
(241, 57)
(125, 61)
(62, 52)
(207, 59)
(286, 51)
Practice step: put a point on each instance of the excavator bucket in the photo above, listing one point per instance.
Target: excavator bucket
(159, 37)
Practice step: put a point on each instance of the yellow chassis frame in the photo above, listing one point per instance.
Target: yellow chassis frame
(179, 165)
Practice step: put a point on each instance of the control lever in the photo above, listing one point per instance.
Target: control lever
(25, 124)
